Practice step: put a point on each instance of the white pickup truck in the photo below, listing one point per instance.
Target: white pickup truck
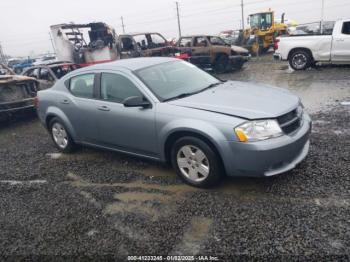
(304, 51)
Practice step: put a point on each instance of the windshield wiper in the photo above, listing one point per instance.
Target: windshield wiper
(210, 86)
(182, 95)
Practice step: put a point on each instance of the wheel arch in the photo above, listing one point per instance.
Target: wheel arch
(53, 112)
(174, 136)
(308, 50)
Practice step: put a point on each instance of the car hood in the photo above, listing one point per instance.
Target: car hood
(6, 79)
(239, 49)
(242, 99)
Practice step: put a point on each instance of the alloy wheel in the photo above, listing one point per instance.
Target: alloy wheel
(193, 163)
(59, 135)
(299, 61)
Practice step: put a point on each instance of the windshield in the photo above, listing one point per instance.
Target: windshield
(172, 79)
(215, 40)
(263, 20)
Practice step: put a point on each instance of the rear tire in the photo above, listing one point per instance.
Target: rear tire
(196, 162)
(60, 136)
(300, 60)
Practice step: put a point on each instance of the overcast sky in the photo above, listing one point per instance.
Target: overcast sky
(24, 24)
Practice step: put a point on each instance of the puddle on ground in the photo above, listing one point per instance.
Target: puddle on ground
(142, 196)
(150, 204)
(176, 189)
(194, 235)
(54, 155)
(158, 171)
(145, 209)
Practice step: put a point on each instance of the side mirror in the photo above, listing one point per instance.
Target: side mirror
(137, 101)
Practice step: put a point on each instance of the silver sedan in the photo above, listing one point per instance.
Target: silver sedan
(169, 110)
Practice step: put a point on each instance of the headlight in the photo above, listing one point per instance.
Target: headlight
(258, 130)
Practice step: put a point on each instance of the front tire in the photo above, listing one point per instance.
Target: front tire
(196, 162)
(60, 136)
(221, 64)
(300, 60)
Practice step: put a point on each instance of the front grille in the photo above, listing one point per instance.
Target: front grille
(291, 121)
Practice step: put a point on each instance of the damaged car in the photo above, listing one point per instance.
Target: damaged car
(17, 93)
(208, 51)
(144, 45)
(47, 75)
(85, 44)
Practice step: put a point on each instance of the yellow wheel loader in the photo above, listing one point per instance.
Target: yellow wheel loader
(259, 37)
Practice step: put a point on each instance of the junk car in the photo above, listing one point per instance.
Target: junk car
(211, 52)
(47, 75)
(17, 93)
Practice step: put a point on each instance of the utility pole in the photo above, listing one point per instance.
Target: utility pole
(123, 24)
(242, 7)
(53, 46)
(178, 18)
(322, 17)
(2, 56)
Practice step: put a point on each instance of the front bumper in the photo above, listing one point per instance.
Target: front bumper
(269, 157)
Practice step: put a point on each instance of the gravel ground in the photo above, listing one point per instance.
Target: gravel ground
(95, 204)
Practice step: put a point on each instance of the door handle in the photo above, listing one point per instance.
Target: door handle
(103, 108)
(340, 40)
(64, 101)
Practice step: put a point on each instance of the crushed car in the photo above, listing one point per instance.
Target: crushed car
(47, 75)
(17, 93)
(208, 51)
(144, 45)
(85, 44)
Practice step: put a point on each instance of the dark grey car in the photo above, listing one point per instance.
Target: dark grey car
(169, 110)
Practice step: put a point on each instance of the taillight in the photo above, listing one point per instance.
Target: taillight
(275, 46)
(36, 102)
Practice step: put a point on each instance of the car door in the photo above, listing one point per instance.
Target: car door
(341, 44)
(200, 46)
(200, 51)
(130, 129)
(46, 79)
(79, 105)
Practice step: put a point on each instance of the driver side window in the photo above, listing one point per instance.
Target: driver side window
(200, 42)
(116, 88)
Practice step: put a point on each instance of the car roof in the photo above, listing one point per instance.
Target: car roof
(188, 36)
(139, 33)
(133, 64)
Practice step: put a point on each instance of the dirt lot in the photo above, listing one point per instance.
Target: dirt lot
(95, 203)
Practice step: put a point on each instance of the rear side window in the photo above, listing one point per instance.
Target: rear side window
(346, 28)
(116, 88)
(82, 86)
(200, 42)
